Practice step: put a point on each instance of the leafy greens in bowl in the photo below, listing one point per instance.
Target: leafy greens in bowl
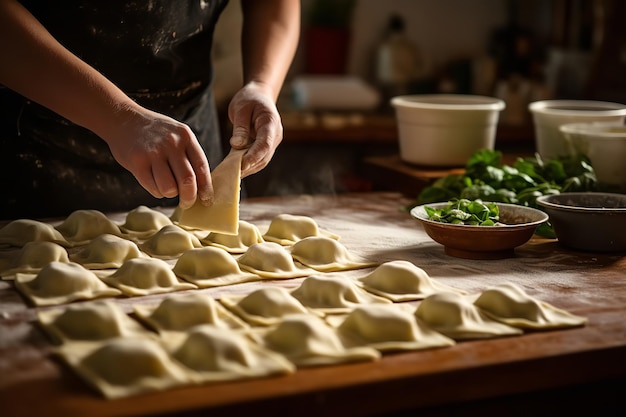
(516, 226)
(463, 211)
(520, 183)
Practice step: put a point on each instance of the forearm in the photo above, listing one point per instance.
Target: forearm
(269, 41)
(38, 67)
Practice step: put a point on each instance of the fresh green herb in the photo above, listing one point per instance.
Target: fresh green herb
(487, 179)
(468, 212)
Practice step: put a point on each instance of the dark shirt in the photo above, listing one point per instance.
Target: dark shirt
(158, 52)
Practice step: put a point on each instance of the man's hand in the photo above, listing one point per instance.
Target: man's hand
(256, 126)
(163, 155)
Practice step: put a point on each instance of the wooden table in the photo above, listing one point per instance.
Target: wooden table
(543, 373)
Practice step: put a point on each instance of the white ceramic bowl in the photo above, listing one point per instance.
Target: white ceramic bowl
(549, 115)
(445, 129)
(605, 146)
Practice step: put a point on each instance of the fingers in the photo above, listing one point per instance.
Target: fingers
(191, 172)
(200, 166)
(188, 177)
(256, 126)
(242, 121)
(269, 134)
(185, 181)
(164, 156)
(165, 182)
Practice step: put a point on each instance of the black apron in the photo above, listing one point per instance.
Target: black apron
(158, 52)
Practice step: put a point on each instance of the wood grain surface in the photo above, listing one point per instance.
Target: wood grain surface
(470, 378)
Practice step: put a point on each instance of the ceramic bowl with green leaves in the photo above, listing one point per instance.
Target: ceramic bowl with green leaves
(474, 229)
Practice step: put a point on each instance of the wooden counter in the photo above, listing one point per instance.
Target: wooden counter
(541, 373)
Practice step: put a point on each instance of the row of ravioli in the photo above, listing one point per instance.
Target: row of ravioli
(192, 338)
(155, 233)
(46, 273)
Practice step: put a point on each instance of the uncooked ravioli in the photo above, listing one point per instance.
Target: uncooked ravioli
(106, 251)
(332, 294)
(287, 229)
(62, 282)
(457, 317)
(306, 340)
(32, 257)
(143, 222)
(180, 312)
(89, 322)
(247, 235)
(264, 306)
(271, 260)
(170, 242)
(22, 231)
(511, 305)
(403, 281)
(389, 328)
(220, 354)
(144, 276)
(211, 267)
(326, 255)
(126, 366)
(83, 225)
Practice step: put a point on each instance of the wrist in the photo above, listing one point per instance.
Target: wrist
(262, 87)
(119, 119)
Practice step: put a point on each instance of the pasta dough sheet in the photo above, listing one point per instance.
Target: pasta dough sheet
(223, 215)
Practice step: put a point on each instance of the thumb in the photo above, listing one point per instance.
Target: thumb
(241, 137)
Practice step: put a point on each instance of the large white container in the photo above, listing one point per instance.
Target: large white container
(445, 129)
(549, 115)
(605, 146)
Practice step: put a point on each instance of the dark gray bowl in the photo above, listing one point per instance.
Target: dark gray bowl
(594, 222)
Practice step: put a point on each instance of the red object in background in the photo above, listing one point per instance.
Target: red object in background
(327, 50)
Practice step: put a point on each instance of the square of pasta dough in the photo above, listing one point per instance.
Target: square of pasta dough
(223, 215)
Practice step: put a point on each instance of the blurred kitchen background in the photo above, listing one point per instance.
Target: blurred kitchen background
(340, 133)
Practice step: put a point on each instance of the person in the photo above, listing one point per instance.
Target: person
(108, 105)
